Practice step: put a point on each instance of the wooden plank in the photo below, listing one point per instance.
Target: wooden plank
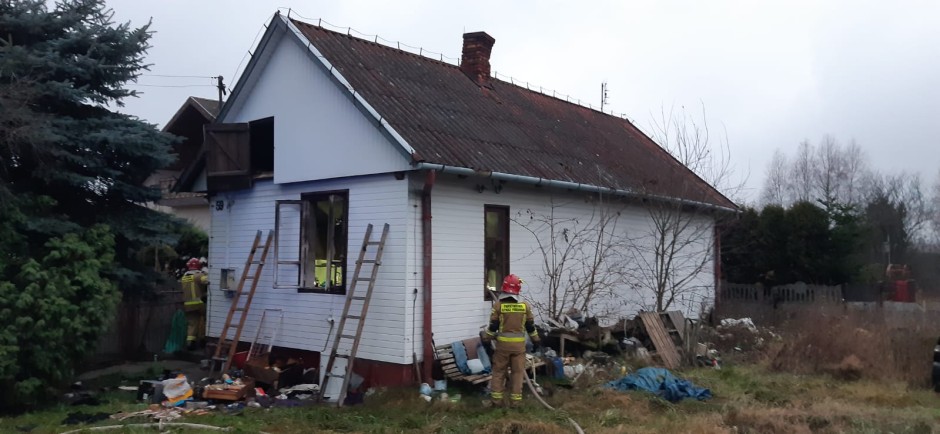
(664, 344)
(678, 321)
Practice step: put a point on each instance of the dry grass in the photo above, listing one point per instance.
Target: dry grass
(853, 345)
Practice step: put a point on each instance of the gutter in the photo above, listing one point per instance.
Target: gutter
(531, 180)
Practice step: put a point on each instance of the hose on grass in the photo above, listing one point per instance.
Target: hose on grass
(159, 426)
(539, 397)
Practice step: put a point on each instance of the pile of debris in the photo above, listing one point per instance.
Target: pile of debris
(665, 338)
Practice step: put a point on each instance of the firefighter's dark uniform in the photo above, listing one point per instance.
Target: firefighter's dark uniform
(194, 284)
(510, 321)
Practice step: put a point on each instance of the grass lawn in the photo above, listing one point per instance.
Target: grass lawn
(748, 399)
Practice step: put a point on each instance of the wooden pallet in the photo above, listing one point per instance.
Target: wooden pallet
(445, 354)
(665, 347)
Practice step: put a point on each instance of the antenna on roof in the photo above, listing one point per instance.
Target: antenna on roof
(603, 95)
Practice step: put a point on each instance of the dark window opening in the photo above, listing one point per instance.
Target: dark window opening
(496, 248)
(311, 242)
(262, 144)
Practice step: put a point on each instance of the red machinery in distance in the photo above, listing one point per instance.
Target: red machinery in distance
(900, 285)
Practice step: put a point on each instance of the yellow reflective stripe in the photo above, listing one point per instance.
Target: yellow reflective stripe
(510, 339)
(512, 308)
(496, 395)
(193, 302)
(516, 397)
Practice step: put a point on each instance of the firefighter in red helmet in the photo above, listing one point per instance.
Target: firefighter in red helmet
(511, 321)
(194, 282)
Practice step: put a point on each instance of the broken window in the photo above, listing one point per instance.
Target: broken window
(496, 247)
(310, 242)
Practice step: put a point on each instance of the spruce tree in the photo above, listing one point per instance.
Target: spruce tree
(72, 199)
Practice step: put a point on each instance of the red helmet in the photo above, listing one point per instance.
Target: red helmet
(193, 264)
(512, 284)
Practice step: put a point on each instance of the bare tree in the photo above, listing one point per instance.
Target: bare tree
(673, 255)
(801, 173)
(829, 173)
(776, 185)
(582, 256)
(933, 239)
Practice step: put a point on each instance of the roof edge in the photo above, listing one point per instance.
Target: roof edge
(531, 180)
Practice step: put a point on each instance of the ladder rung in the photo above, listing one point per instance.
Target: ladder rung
(347, 336)
(357, 297)
(370, 261)
(249, 277)
(345, 356)
(373, 243)
(257, 262)
(364, 279)
(353, 317)
(330, 374)
(239, 309)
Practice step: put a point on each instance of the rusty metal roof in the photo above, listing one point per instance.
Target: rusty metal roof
(501, 127)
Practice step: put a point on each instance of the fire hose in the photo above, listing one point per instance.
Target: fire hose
(539, 397)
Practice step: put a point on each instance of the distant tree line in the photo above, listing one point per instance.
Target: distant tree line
(826, 216)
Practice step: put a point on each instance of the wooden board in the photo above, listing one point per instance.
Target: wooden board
(678, 321)
(665, 348)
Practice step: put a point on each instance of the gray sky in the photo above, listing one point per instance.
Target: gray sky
(770, 73)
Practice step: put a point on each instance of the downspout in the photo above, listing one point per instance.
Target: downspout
(717, 266)
(429, 179)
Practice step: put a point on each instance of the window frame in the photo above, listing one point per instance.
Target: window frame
(306, 202)
(504, 228)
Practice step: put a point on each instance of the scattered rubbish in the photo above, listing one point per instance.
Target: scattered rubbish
(177, 391)
(660, 382)
(665, 346)
(743, 322)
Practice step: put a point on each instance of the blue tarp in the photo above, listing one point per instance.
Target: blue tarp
(661, 382)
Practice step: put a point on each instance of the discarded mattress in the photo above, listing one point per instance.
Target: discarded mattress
(478, 365)
(661, 382)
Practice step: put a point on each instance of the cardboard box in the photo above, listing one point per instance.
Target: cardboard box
(230, 392)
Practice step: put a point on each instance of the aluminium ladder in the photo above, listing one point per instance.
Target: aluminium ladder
(351, 296)
(232, 345)
(265, 337)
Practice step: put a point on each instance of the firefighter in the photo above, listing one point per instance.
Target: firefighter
(510, 321)
(194, 283)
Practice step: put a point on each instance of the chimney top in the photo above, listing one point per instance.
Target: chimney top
(475, 60)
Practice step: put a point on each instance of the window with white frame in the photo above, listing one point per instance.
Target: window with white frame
(311, 242)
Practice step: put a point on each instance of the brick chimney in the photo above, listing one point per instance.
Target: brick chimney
(475, 61)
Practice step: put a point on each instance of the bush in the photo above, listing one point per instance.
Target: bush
(54, 312)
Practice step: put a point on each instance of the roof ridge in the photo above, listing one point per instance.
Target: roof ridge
(396, 49)
(494, 76)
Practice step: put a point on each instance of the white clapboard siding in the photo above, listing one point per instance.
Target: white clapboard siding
(377, 199)
(458, 241)
(319, 131)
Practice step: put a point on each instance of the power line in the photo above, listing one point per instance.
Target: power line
(171, 85)
(176, 76)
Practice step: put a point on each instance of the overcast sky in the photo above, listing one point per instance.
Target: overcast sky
(770, 73)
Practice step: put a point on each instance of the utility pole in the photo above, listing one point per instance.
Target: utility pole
(221, 87)
(603, 95)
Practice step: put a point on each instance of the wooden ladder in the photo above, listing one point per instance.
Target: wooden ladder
(360, 319)
(232, 345)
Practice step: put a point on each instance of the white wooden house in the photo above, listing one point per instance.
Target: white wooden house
(329, 133)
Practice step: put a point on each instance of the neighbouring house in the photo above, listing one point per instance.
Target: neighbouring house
(325, 133)
(187, 123)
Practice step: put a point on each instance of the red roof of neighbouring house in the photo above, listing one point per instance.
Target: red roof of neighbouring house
(449, 119)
